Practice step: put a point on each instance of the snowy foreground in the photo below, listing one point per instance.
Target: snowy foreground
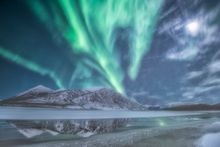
(150, 128)
(181, 132)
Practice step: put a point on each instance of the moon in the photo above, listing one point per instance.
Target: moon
(192, 27)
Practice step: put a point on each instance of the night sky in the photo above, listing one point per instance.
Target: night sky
(157, 51)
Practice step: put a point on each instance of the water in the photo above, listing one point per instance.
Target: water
(181, 129)
(16, 113)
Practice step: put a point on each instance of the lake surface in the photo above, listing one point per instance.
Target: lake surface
(151, 128)
(22, 113)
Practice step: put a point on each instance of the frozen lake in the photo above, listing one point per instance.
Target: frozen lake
(28, 127)
(22, 113)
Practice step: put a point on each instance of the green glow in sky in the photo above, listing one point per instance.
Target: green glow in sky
(30, 65)
(110, 14)
(88, 27)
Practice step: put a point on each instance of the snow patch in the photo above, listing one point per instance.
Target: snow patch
(73, 107)
(29, 133)
(52, 132)
(209, 140)
(100, 106)
(85, 134)
(214, 127)
(59, 126)
(37, 89)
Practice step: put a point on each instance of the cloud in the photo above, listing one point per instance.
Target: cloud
(200, 49)
(141, 93)
(193, 75)
(185, 54)
(211, 81)
(195, 92)
(214, 67)
(208, 85)
(187, 44)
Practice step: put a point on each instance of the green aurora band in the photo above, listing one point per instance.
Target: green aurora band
(88, 27)
(31, 66)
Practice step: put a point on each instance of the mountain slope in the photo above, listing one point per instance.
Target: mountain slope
(37, 89)
(102, 99)
(193, 107)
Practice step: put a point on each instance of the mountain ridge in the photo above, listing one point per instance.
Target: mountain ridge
(100, 98)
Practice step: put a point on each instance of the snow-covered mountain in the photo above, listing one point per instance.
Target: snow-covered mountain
(99, 98)
(102, 99)
(37, 89)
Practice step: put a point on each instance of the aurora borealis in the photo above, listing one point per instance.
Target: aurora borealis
(90, 26)
(31, 66)
(88, 29)
(144, 49)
